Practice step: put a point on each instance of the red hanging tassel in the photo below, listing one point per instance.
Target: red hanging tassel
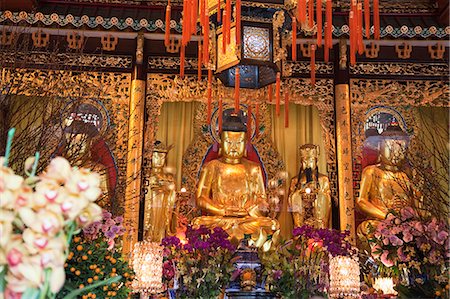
(294, 39)
(237, 80)
(224, 32)
(270, 91)
(182, 53)
(220, 115)
(209, 95)
(167, 32)
(286, 110)
(249, 122)
(257, 120)
(313, 65)
(352, 38)
(319, 23)
(206, 38)
(301, 11)
(238, 22)
(199, 62)
(228, 27)
(376, 19)
(367, 18)
(310, 13)
(277, 94)
(194, 16)
(360, 30)
(202, 12)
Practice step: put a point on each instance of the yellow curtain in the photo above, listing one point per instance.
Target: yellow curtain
(176, 127)
(304, 127)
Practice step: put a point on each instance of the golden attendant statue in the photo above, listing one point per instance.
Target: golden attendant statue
(231, 188)
(385, 186)
(159, 215)
(310, 194)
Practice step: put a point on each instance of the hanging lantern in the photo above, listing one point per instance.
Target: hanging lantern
(147, 261)
(253, 57)
(344, 277)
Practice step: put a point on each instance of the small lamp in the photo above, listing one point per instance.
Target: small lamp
(385, 285)
(147, 261)
(344, 277)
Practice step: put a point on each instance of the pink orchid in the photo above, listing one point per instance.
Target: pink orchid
(407, 213)
(407, 237)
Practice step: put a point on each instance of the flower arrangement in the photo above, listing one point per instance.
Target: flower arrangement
(38, 217)
(95, 256)
(298, 268)
(202, 265)
(414, 252)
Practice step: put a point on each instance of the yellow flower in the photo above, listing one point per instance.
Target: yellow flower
(42, 221)
(59, 170)
(84, 182)
(10, 184)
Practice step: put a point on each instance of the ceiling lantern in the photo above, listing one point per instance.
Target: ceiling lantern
(251, 61)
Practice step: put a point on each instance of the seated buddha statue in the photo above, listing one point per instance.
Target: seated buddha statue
(159, 214)
(385, 186)
(310, 195)
(231, 192)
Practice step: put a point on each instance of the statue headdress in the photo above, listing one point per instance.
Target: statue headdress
(309, 150)
(161, 147)
(234, 122)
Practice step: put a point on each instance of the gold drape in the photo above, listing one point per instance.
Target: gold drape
(304, 127)
(176, 127)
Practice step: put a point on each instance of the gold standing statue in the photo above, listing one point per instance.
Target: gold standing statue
(385, 186)
(159, 217)
(310, 194)
(231, 189)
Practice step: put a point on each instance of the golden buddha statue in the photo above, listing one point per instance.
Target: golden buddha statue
(310, 194)
(385, 186)
(231, 188)
(159, 215)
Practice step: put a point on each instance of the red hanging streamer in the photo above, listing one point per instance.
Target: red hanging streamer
(367, 18)
(286, 110)
(277, 93)
(199, 63)
(183, 48)
(220, 115)
(301, 11)
(257, 119)
(319, 23)
(238, 22)
(376, 19)
(167, 32)
(294, 39)
(352, 39)
(224, 32)
(313, 65)
(249, 121)
(194, 16)
(237, 80)
(310, 13)
(360, 30)
(209, 95)
(270, 91)
(206, 38)
(228, 24)
(202, 12)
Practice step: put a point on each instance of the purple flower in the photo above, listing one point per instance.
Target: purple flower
(407, 237)
(106, 215)
(109, 234)
(396, 241)
(407, 213)
(170, 241)
(115, 229)
(119, 220)
(277, 274)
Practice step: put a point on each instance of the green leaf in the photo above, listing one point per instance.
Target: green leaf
(2, 279)
(78, 292)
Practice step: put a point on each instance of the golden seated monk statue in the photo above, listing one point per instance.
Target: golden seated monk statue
(231, 190)
(385, 186)
(159, 215)
(310, 194)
